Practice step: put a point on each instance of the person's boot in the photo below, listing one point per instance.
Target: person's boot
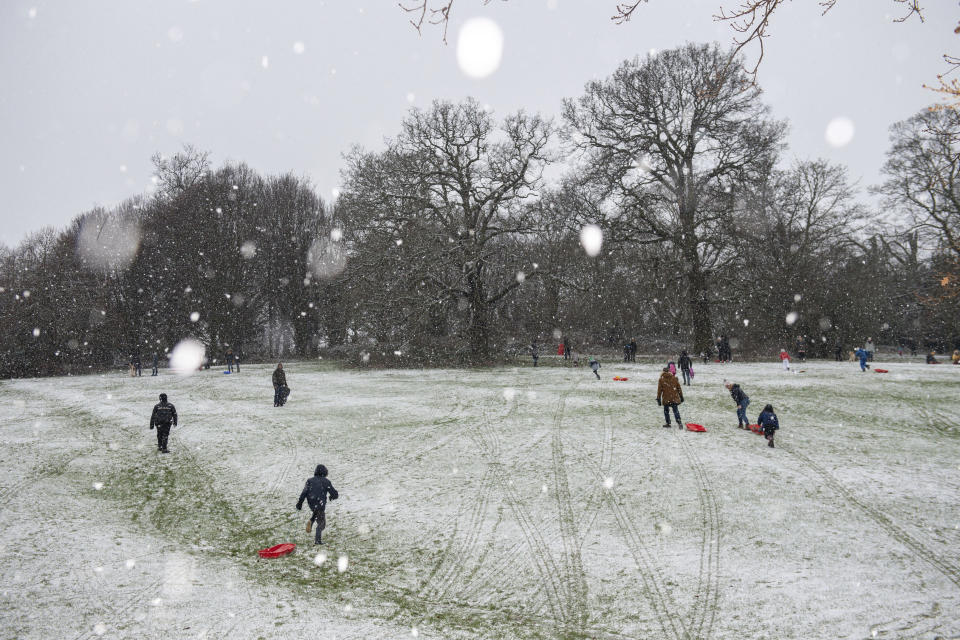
(770, 443)
(309, 525)
(666, 426)
(679, 426)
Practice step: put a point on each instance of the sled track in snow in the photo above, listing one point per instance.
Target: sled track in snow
(119, 614)
(707, 596)
(917, 548)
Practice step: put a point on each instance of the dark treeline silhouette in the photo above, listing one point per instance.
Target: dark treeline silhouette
(448, 246)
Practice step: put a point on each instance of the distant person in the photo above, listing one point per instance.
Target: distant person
(801, 349)
(785, 359)
(315, 492)
(230, 360)
(280, 388)
(868, 347)
(156, 364)
(705, 355)
(633, 349)
(768, 421)
(686, 367)
(742, 400)
(931, 358)
(136, 364)
(535, 352)
(566, 348)
(669, 396)
(626, 352)
(861, 355)
(838, 351)
(164, 415)
(955, 358)
(595, 366)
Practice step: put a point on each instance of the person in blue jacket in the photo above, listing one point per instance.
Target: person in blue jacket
(862, 356)
(768, 420)
(742, 401)
(315, 492)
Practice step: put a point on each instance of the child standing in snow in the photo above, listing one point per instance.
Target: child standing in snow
(315, 492)
(669, 396)
(785, 359)
(768, 420)
(742, 401)
(595, 366)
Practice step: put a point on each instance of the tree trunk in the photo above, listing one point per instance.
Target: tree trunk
(478, 332)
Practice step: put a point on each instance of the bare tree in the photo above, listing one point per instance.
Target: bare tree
(462, 182)
(668, 137)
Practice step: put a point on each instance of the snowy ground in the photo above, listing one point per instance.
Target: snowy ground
(491, 504)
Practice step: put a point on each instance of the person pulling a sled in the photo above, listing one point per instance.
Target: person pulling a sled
(280, 388)
(164, 414)
(669, 395)
(768, 421)
(742, 401)
(315, 492)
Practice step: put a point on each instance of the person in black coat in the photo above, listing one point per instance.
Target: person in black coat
(685, 363)
(230, 359)
(164, 414)
(742, 401)
(279, 385)
(315, 492)
(136, 363)
(156, 364)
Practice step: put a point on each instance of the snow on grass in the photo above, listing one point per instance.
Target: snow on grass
(847, 529)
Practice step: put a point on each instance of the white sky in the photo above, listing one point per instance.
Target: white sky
(91, 86)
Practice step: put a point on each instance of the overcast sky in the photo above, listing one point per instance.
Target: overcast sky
(89, 90)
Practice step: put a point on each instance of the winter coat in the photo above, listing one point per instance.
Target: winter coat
(739, 396)
(156, 360)
(315, 492)
(534, 350)
(669, 390)
(768, 420)
(279, 377)
(685, 362)
(594, 364)
(163, 413)
(230, 356)
(784, 355)
(861, 355)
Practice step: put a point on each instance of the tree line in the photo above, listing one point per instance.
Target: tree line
(451, 245)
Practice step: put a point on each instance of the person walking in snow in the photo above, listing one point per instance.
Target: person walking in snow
(838, 351)
(535, 352)
(315, 492)
(633, 349)
(566, 348)
(280, 388)
(862, 356)
(785, 359)
(742, 401)
(156, 364)
(868, 347)
(801, 349)
(768, 421)
(595, 366)
(686, 367)
(136, 363)
(164, 415)
(230, 358)
(669, 396)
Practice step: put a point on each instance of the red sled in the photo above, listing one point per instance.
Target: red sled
(881, 371)
(277, 550)
(691, 426)
(757, 429)
(620, 378)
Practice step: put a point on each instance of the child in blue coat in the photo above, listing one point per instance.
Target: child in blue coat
(768, 420)
(862, 355)
(742, 401)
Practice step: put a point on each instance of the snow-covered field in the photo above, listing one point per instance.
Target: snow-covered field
(512, 502)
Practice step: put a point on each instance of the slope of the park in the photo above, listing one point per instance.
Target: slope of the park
(499, 503)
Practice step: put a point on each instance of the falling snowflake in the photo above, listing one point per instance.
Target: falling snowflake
(299, 47)
(791, 317)
(187, 356)
(479, 47)
(608, 482)
(591, 239)
(194, 316)
(342, 562)
(320, 558)
(839, 132)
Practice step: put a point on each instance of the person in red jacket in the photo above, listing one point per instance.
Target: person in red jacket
(785, 359)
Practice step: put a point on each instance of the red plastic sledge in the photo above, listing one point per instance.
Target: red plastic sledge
(695, 427)
(277, 550)
(881, 371)
(620, 378)
(756, 429)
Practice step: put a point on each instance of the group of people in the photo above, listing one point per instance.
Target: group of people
(317, 489)
(670, 397)
(136, 368)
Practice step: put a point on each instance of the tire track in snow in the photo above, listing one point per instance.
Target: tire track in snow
(707, 593)
(661, 602)
(917, 548)
(573, 578)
